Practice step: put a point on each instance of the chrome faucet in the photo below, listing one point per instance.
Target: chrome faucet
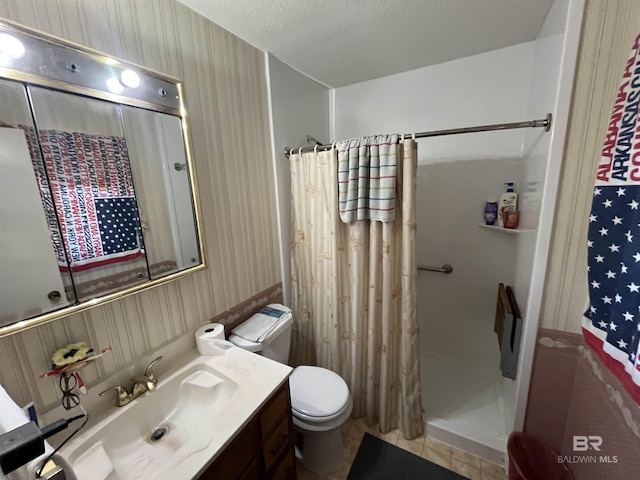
(146, 382)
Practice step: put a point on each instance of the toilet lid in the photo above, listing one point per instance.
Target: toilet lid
(317, 392)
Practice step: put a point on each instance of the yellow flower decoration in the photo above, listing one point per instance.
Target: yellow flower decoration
(70, 354)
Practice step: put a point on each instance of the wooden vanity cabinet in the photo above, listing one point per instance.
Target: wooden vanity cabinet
(264, 449)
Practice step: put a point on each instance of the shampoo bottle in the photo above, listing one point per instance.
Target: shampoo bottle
(508, 203)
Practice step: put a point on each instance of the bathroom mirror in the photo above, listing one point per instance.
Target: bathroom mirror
(97, 188)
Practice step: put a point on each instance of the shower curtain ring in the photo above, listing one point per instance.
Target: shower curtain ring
(315, 149)
(413, 136)
(300, 151)
(402, 138)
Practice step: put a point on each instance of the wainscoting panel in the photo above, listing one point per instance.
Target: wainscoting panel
(572, 393)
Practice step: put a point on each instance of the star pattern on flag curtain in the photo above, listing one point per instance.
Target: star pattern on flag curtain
(611, 323)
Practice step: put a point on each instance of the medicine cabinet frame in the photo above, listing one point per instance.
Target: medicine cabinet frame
(170, 107)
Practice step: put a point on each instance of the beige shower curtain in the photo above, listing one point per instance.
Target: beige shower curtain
(354, 292)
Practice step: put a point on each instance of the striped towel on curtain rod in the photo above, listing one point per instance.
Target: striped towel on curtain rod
(367, 169)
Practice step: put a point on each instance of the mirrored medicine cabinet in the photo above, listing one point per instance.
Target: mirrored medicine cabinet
(97, 188)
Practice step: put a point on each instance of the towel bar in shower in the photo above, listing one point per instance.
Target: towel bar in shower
(446, 269)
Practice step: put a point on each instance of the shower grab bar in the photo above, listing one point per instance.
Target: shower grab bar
(446, 269)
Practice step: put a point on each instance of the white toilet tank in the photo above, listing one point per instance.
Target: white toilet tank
(275, 346)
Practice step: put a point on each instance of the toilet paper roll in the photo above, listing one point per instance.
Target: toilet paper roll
(207, 336)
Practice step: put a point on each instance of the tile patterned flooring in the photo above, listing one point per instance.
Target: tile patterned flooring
(459, 461)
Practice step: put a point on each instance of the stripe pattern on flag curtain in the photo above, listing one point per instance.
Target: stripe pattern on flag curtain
(611, 324)
(354, 292)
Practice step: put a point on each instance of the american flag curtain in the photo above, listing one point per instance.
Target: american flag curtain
(92, 190)
(612, 322)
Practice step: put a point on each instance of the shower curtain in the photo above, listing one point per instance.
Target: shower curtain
(354, 291)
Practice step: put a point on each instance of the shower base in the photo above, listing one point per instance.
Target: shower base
(466, 406)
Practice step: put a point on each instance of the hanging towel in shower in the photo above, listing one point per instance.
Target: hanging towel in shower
(367, 178)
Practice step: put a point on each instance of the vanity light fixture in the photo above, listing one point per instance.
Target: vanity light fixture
(114, 85)
(130, 78)
(10, 48)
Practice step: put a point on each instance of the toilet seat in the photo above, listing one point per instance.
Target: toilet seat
(318, 395)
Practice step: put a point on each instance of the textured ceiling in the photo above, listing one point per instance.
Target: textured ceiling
(340, 42)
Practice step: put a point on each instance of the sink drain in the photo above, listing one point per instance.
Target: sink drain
(158, 434)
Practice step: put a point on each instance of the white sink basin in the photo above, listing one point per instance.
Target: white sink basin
(195, 411)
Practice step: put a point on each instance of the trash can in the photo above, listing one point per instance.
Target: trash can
(531, 459)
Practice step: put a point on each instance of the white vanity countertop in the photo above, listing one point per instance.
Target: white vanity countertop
(256, 378)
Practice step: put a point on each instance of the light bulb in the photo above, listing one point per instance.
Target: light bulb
(11, 47)
(114, 85)
(130, 78)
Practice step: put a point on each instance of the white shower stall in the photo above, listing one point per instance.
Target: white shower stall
(464, 397)
(466, 401)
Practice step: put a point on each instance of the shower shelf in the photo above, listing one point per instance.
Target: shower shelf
(508, 231)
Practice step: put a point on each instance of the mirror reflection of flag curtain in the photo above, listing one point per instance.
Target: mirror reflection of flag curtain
(92, 189)
(611, 324)
(45, 193)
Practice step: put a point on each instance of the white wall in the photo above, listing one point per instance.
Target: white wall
(456, 175)
(488, 88)
(536, 147)
(299, 107)
(555, 55)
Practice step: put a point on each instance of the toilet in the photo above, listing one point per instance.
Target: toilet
(320, 400)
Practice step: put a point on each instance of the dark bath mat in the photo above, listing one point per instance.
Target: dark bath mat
(379, 460)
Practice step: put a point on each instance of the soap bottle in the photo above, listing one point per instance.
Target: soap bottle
(508, 203)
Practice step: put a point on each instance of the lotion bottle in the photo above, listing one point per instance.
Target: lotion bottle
(508, 202)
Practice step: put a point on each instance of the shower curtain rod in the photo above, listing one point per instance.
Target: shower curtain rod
(544, 123)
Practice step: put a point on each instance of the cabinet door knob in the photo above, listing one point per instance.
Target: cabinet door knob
(54, 295)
